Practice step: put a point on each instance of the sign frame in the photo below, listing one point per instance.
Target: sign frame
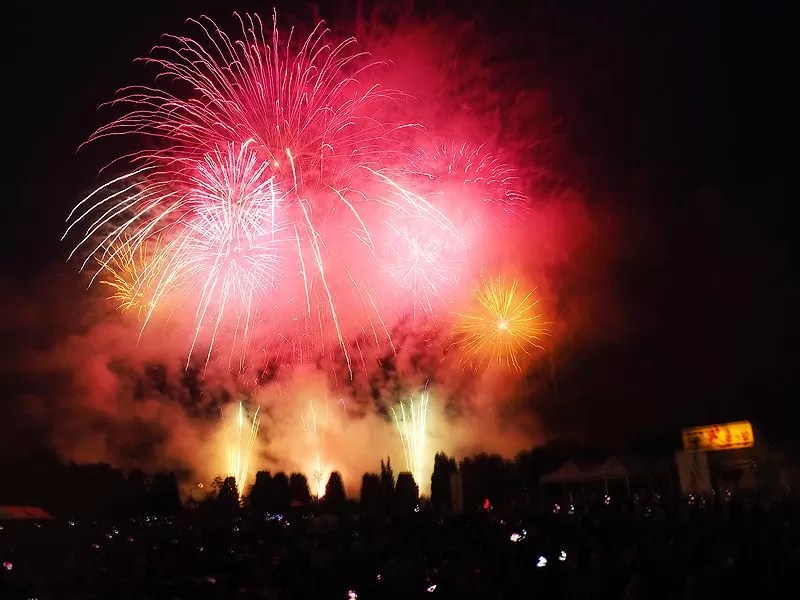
(737, 435)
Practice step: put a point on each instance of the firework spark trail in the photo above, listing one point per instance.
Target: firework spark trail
(472, 166)
(502, 326)
(129, 270)
(412, 425)
(321, 470)
(226, 249)
(146, 205)
(240, 444)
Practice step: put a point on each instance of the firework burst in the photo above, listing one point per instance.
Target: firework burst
(225, 253)
(273, 171)
(472, 171)
(503, 325)
(303, 104)
(129, 270)
(423, 263)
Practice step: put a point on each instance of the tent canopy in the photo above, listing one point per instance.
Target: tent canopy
(23, 513)
(613, 467)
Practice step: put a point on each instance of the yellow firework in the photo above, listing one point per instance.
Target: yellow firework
(320, 469)
(241, 436)
(130, 270)
(502, 326)
(412, 424)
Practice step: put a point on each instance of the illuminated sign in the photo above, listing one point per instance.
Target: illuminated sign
(728, 436)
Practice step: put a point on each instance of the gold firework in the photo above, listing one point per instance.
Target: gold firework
(412, 426)
(502, 326)
(321, 470)
(240, 443)
(131, 270)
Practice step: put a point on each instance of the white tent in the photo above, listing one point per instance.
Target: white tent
(613, 468)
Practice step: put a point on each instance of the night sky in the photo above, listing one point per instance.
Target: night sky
(672, 122)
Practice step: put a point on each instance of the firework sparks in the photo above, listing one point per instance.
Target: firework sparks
(129, 270)
(240, 442)
(321, 471)
(411, 423)
(266, 115)
(472, 167)
(421, 264)
(502, 326)
(226, 251)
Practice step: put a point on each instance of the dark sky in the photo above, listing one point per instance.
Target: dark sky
(675, 120)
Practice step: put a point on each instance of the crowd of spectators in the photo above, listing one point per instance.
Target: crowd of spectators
(626, 547)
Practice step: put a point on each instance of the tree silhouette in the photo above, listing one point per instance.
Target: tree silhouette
(371, 492)
(227, 502)
(258, 499)
(278, 500)
(443, 467)
(91, 489)
(163, 497)
(486, 476)
(530, 465)
(387, 483)
(334, 499)
(406, 493)
(298, 489)
(135, 492)
(216, 486)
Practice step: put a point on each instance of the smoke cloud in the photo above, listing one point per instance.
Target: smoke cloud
(109, 391)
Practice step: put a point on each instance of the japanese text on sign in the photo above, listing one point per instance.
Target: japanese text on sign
(727, 436)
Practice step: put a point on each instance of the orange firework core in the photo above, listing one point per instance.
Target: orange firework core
(503, 325)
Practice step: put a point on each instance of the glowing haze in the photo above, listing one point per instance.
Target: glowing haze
(301, 227)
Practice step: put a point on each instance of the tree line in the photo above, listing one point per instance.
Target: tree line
(98, 490)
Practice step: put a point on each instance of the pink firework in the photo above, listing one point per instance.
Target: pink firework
(474, 171)
(304, 107)
(425, 261)
(294, 221)
(267, 172)
(224, 253)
